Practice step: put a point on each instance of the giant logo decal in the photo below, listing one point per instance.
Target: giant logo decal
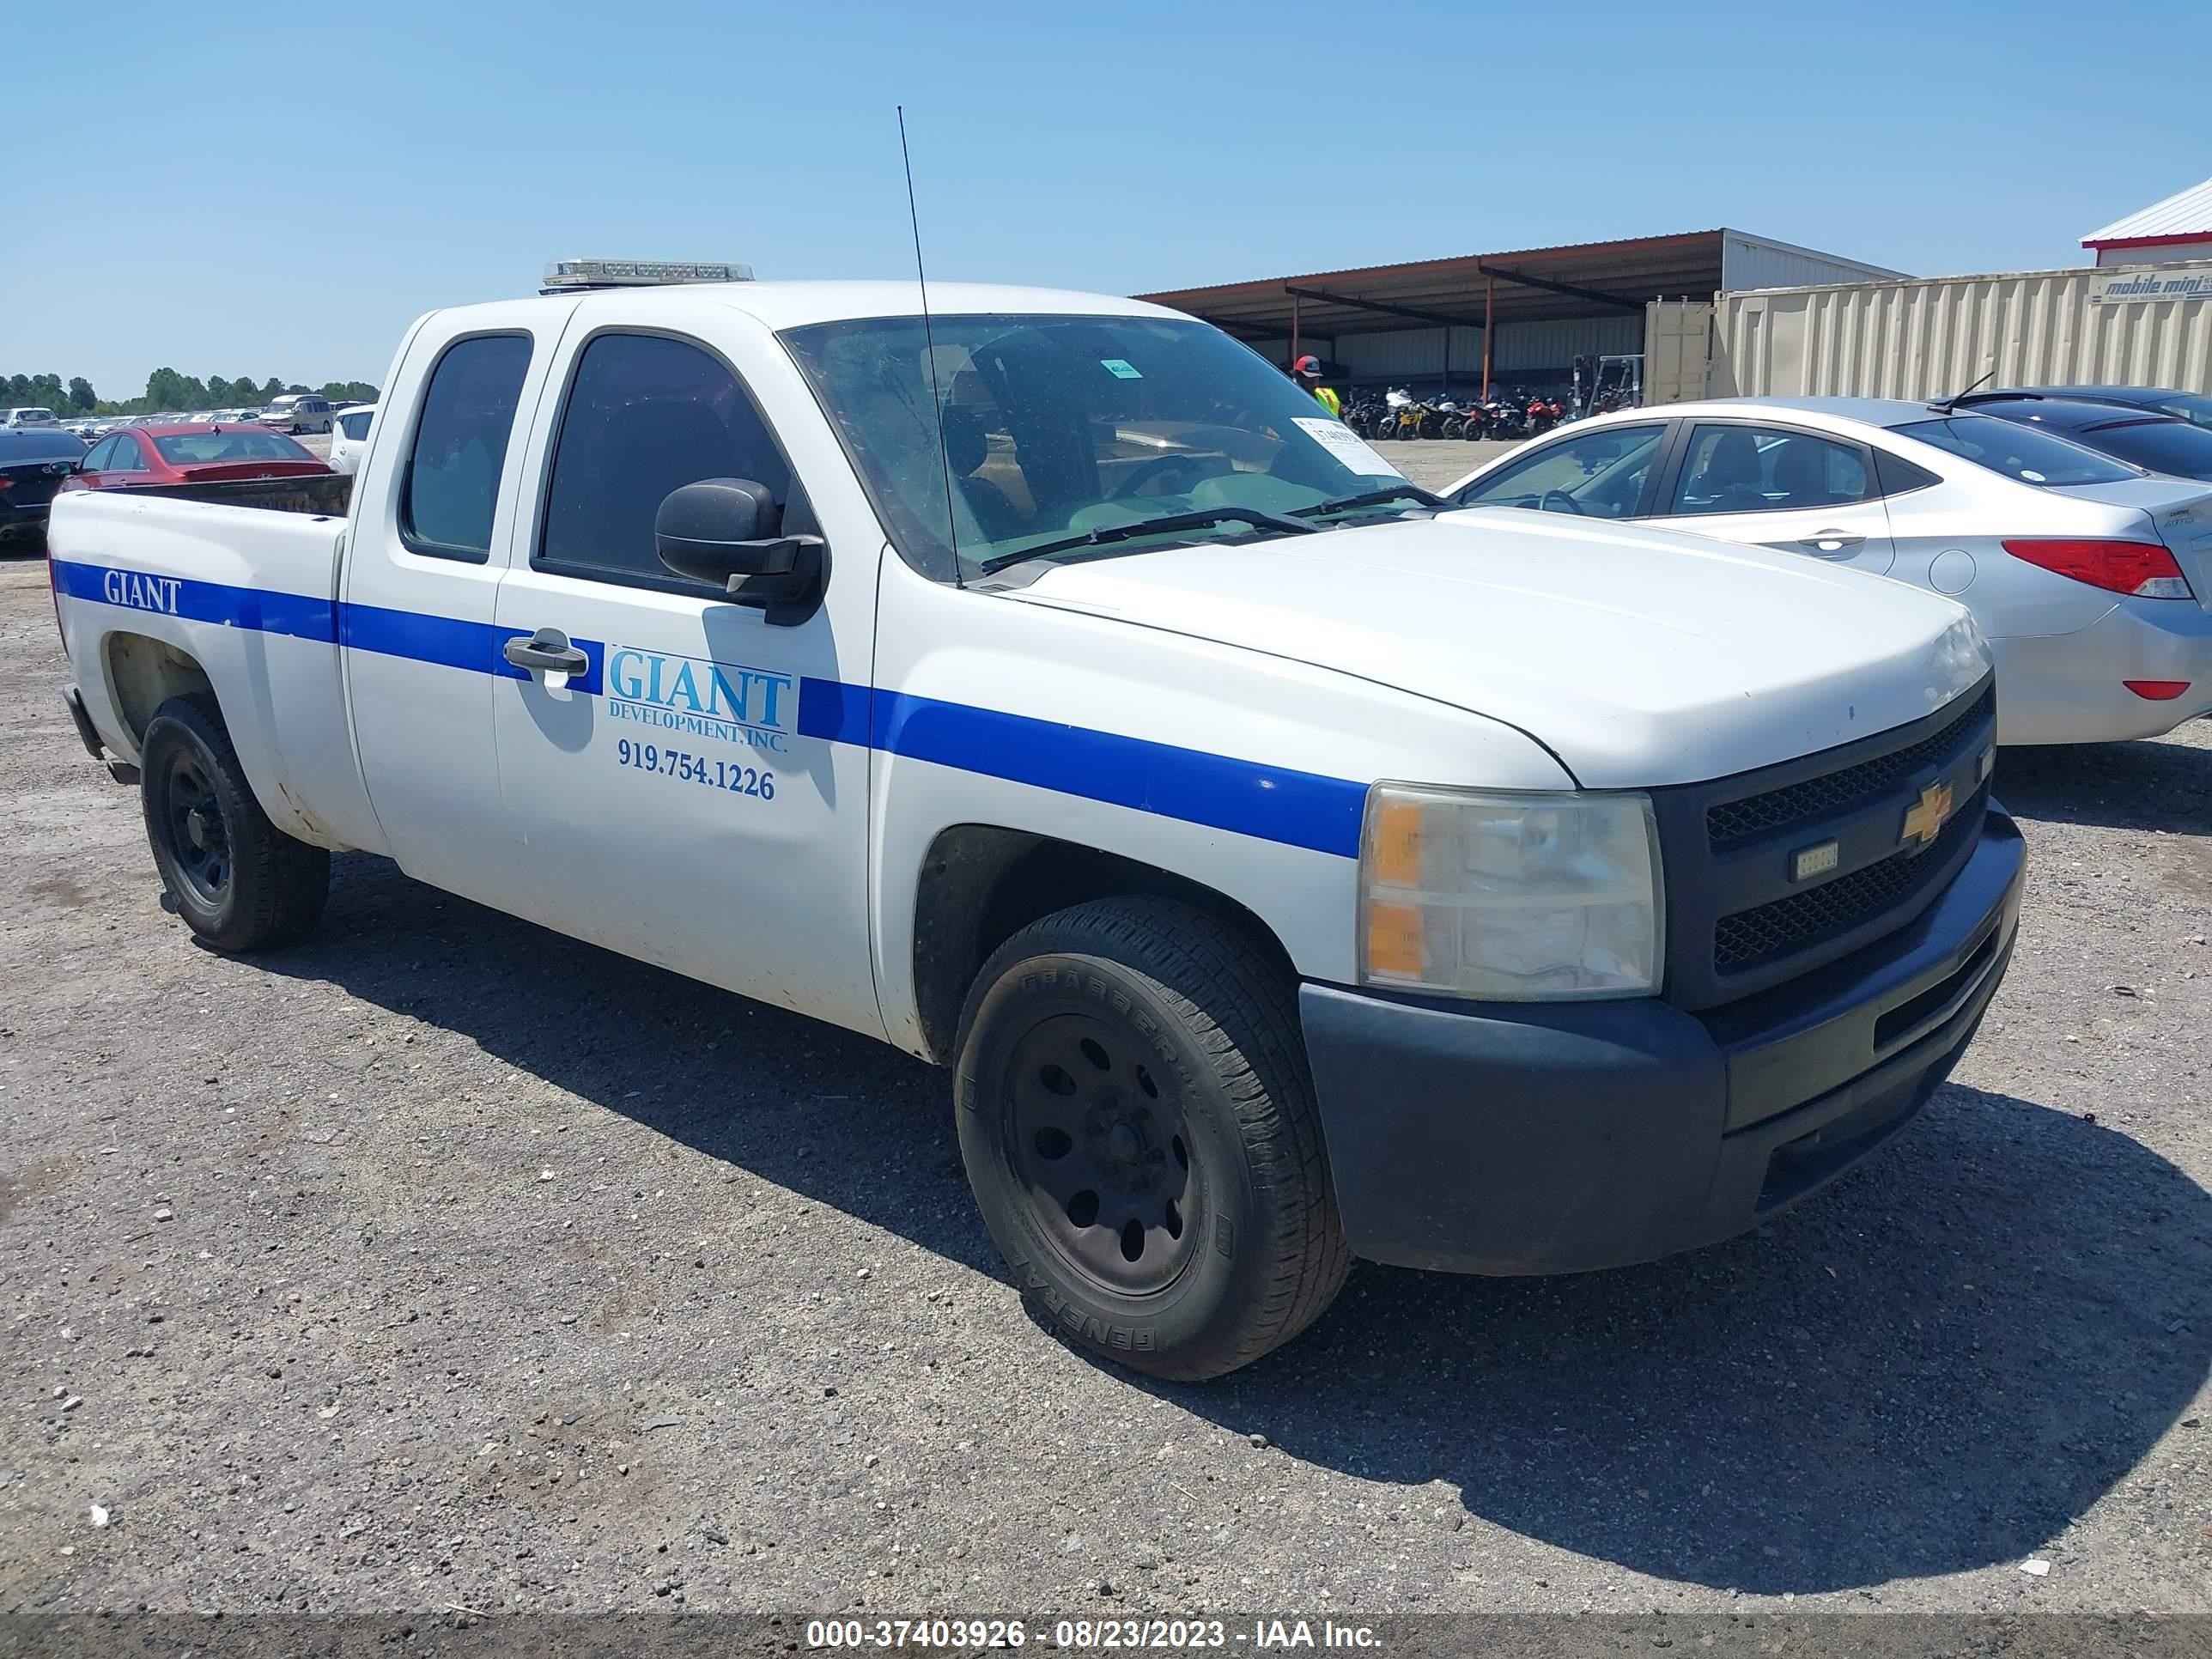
(754, 707)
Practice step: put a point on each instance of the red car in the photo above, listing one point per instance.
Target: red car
(177, 453)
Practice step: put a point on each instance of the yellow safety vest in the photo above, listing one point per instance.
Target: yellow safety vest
(1326, 397)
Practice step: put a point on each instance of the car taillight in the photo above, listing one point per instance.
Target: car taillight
(2157, 691)
(2145, 570)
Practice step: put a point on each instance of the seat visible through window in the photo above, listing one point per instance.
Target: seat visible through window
(1751, 469)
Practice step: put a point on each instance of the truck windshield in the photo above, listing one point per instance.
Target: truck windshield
(1058, 426)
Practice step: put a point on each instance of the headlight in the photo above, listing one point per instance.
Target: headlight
(1519, 897)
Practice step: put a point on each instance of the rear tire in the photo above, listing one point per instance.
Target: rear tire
(1139, 1128)
(240, 883)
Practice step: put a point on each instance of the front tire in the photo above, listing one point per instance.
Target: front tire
(1139, 1128)
(240, 883)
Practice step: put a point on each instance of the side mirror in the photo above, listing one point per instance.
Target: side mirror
(723, 531)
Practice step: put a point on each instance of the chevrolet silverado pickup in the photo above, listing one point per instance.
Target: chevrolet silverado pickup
(1284, 871)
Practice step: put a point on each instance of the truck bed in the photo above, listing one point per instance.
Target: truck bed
(231, 585)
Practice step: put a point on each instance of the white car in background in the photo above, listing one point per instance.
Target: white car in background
(296, 412)
(349, 436)
(2090, 579)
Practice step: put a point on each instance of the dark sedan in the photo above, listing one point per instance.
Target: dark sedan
(2191, 406)
(33, 461)
(2143, 437)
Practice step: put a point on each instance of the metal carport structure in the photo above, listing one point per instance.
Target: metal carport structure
(1497, 294)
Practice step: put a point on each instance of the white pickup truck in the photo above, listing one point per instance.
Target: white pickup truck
(1286, 871)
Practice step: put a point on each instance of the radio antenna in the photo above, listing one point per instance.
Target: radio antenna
(929, 351)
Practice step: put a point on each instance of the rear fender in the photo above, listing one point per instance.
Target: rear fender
(158, 599)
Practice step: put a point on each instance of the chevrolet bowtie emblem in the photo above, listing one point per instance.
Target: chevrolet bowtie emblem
(1926, 817)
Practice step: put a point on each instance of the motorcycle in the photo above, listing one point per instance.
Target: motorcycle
(1442, 415)
(1366, 414)
(1407, 413)
(1503, 419)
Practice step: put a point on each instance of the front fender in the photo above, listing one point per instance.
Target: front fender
(1240, 771)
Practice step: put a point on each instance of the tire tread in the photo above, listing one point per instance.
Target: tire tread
(1247, 1029)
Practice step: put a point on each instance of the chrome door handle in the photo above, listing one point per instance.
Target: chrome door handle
(547, 650)
(1831, 541)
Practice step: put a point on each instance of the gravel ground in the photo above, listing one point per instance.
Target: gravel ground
(1435, 463)
(439, 1264)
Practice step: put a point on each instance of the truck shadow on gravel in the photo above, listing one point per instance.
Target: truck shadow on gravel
(2152, 785)
(1934, 1366)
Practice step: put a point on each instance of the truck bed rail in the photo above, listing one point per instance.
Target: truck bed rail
(327, 494)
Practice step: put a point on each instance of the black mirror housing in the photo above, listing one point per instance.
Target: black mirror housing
(727, 533)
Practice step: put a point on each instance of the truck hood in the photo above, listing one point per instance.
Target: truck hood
(1637, 657)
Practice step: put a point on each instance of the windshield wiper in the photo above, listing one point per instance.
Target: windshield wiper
(1404, 492)
(1198, 519)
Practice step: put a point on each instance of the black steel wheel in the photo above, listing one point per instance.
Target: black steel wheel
(1101, 1152)
(239, 882)
(198, 836)
(1139, 1127)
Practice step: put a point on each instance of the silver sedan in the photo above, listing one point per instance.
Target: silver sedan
(2091, 578)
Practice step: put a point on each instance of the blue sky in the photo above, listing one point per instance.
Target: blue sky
(265, 189)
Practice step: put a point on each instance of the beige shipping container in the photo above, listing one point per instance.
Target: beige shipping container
(2135, 326)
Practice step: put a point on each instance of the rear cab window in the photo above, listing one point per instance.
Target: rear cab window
(451, 490)
(2023, 453)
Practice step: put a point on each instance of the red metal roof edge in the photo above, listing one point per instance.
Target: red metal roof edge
(1223, 291)
(2166, 240)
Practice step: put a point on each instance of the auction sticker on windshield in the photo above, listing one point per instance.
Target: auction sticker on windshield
(1348, 447)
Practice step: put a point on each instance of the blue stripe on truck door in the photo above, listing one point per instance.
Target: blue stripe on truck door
(1307, 810)
(447, 642)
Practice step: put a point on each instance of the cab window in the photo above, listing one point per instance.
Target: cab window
(1599, 474)
(452, 485)
(645, 416)
(1756, 469)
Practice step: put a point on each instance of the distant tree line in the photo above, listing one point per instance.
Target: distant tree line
(166, 389)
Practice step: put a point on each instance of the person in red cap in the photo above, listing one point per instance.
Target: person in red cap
(1306, 370)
